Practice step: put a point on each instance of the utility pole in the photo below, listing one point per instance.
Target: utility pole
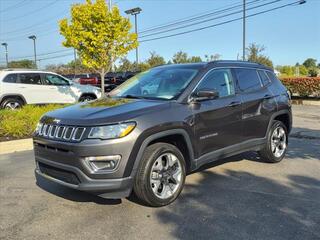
(244, 32)
(135, 12)
(75, 62)
(6, 47)
(110, 4)
(33, 37)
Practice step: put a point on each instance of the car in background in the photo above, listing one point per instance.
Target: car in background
(20, 86)
(111, 79)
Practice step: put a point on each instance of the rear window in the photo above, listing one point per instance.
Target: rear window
(30, 78)
(264, 78)
(248, 79)
(11, 78)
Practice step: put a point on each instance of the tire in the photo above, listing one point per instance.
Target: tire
(274, 143)
(86, 98)
(12, 103)
(147, 186)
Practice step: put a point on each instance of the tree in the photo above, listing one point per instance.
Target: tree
(25, 63)
(180, 57)
(310, 63)
(195, 59)
(155, 60)
(214, 57)
(303, 70)
(125, 65)
(313, 72)
(100, 35)
(254, 54)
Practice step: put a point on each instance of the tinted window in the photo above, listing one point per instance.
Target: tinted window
(219, 80)
(11, 78)
(52, 79)
(30, 78)
(264, 78)
(272, 76)
(248, 79)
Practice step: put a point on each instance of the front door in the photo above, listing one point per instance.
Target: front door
(218, 121)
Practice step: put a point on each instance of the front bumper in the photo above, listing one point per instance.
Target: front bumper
(107, 188)
(63, 163)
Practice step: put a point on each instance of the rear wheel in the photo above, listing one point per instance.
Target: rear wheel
(86, 98)
(277, 142)
(12, 103)
(161, 175)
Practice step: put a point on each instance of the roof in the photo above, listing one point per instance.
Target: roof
(218, 63)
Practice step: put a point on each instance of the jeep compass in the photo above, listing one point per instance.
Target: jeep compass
(149, 132)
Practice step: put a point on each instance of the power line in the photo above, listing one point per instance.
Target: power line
(219, 24)
(196, 17)
(32, 12)
(14, 6)
(207, 20)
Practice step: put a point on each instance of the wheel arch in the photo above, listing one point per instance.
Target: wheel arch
(168, 136)
(6, 96)
(284, 116)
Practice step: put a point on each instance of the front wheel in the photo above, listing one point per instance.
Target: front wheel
(277, 142)
(11, 103)
(161, 175)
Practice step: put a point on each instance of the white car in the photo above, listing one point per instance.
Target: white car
(19, 87)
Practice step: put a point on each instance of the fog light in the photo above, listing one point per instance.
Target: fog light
(100, 164)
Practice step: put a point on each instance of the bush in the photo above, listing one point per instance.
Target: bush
(22, 122)
(303, 86)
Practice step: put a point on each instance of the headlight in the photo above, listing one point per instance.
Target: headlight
(38, 128)
(112, 131)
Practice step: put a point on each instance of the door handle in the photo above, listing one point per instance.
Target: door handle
(233, 104)
(267, 96)
(22, 87)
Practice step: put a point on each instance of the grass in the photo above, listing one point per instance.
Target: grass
(21, 123)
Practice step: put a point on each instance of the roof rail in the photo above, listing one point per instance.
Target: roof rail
(19, 69)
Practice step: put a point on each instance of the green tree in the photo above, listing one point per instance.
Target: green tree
(214, 57)
(195, 59)
(125, 65)
(313, 72)
(155, 60)
(100, 35)
(303, 70)
(180, 57)
(310, 63)
(254, 54)
(25, 63)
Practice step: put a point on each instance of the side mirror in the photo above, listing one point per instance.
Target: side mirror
(204, 94)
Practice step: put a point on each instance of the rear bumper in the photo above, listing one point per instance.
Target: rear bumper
(107, 188)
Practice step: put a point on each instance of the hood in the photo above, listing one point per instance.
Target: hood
(104, 111)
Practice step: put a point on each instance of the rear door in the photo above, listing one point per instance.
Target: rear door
(257, 103)
(218, 121)
(29, 85)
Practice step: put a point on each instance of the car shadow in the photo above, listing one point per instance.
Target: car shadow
(72, 194)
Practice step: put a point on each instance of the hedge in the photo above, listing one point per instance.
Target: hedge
(22, 122)
(303, 86)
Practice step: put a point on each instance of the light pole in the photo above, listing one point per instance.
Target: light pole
(6, 47)
(33, 37)
(244, 32)
(135, 12)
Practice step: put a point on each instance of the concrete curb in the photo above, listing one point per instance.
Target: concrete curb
(16, 146)
(306, 102)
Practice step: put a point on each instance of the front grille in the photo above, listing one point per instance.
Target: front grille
(64, 133)
(62, 175)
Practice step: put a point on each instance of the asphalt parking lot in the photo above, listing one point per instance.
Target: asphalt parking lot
(237, 198)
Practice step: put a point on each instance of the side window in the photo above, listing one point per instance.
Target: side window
(264, 78)
(219, 80)
(272, 76)
(248, 79)
(51, 79)
(30, 78)
(11, 78)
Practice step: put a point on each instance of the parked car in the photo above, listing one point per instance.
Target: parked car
(19, 87)
(147, 143)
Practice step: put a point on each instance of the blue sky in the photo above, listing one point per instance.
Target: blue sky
(290, 34)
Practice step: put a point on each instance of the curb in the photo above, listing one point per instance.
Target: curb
(16, 146)
(305, 102)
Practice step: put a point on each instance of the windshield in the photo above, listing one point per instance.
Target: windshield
(157, 83)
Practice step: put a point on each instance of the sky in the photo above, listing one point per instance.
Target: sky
(290, 34)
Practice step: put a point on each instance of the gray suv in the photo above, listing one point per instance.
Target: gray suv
(152, 130)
